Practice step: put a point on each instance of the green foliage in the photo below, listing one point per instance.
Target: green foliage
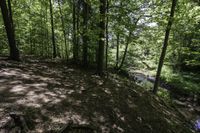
(145, 19)
(183, 82)
(164, 94)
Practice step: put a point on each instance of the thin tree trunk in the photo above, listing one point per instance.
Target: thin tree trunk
(30, 28)
(77, 27)
(75, 48)
(117, 52)
(52, 30)
(85, 30)
(102, 27)
(107, 20)
(164, 48)
(14, 52)
(125, 52)
(41, 51)
(63, 29)
(47, 33)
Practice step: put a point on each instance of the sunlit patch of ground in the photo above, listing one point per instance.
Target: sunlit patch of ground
(52, 94)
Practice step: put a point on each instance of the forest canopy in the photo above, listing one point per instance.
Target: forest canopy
(141, 24)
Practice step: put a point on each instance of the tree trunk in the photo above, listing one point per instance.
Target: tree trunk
(77, 27)
(85, 34)
(164, 48)
(75, 47)
(102, 27)
(63, 29)
(52, 30)
(117, 52)
(41, 47)
(11, 17)
(47, 33)
(107, 20)
(14, 52)
(10, 13)
(30, 28)
(125, 52)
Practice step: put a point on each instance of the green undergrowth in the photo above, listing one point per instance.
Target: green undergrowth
(183, 81)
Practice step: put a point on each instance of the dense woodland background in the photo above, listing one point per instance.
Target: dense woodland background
(135, 32)
(158, 39)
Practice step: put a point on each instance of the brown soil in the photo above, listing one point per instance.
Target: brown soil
(51, 94)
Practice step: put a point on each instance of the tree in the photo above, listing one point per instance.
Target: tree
(10, 12)
(14, 52)
(107, 21)
(63, 29)
(75, 44)
(117, 51)
(52, 30)
(164, 48)
(125, 52)
(102, 26)
(85, 33)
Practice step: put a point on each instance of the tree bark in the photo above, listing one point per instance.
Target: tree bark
(102, 27)
(125, 52)
(107, 20)
(63, 29)
(164, 48)
(10, 13)
(14, 52)
(75, 47)
(85, 33)
(47, 32)
(117, 52)
(77, 27)
(52, 30)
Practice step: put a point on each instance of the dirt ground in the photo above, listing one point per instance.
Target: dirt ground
(51, 94)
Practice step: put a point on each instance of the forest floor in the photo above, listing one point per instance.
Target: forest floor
(51, 94)
(187, 102)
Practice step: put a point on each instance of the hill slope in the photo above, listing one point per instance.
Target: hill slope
(51, 94)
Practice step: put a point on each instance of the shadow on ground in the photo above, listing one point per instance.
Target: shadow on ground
(51, 94)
